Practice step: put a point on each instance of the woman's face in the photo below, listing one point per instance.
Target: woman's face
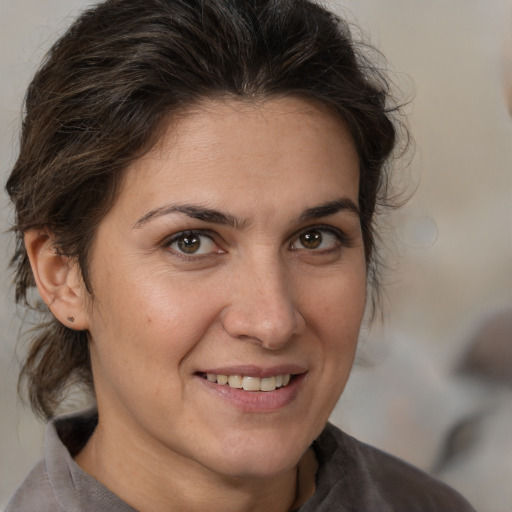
(234, 252)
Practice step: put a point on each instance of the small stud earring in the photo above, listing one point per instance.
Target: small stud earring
(71, 319)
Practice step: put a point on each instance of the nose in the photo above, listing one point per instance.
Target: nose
(262, 307)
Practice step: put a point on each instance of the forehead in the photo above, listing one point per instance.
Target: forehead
(215, 124)
(233, 148)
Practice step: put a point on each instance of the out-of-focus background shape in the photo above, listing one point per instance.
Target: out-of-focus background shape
(434, 382)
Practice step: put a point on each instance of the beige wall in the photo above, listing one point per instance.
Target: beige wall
(454, 238)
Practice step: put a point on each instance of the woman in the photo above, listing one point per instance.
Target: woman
(195, 199)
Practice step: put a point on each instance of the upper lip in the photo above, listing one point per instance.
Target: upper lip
(256, 371)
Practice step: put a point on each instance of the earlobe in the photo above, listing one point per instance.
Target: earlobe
(58, 279)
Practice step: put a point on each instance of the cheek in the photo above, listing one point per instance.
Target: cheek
(337, 318)
(140, 344)
(149, 322)
(338, 305)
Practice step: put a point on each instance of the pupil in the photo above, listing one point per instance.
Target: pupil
(311, 240)
(189, 244)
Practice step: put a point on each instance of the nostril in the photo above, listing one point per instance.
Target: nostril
(273, 327)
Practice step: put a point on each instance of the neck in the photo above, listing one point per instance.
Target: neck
(153, 480)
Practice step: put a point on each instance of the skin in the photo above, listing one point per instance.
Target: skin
(252, 296)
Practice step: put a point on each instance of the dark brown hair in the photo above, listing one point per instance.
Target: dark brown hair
(123, 69)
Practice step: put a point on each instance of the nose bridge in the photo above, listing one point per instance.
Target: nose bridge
(263, 308)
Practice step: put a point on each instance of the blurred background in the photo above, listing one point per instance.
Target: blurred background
(433, 382)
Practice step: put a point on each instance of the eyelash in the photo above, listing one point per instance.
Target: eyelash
(167, 243)
(341, 238)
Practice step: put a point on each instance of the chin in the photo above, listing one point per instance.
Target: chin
(257, 467)
(260, 455)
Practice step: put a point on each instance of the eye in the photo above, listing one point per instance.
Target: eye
(317, 239)
(192, 243)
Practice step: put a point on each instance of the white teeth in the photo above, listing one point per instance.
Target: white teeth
(268, 384)
(235, 381)
(249, 383)
(222, 379)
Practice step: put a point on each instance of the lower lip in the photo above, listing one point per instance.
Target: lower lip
(257, 401)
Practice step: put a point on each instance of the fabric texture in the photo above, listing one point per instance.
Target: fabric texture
(352, 477)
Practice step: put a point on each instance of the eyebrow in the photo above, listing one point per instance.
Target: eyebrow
(216, 217)
(195, 212)
(331, 208)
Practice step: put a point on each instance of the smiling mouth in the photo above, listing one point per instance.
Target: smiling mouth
(248, 383)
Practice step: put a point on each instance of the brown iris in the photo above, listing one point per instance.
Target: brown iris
(189, 244)
(311, 239)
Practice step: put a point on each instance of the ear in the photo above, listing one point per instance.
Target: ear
(58, 279)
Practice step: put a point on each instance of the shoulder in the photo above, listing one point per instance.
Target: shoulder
(57, 483)
(35, 493)
(51, 485)
(386, 482)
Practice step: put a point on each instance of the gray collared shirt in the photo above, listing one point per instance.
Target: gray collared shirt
(352, 477)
